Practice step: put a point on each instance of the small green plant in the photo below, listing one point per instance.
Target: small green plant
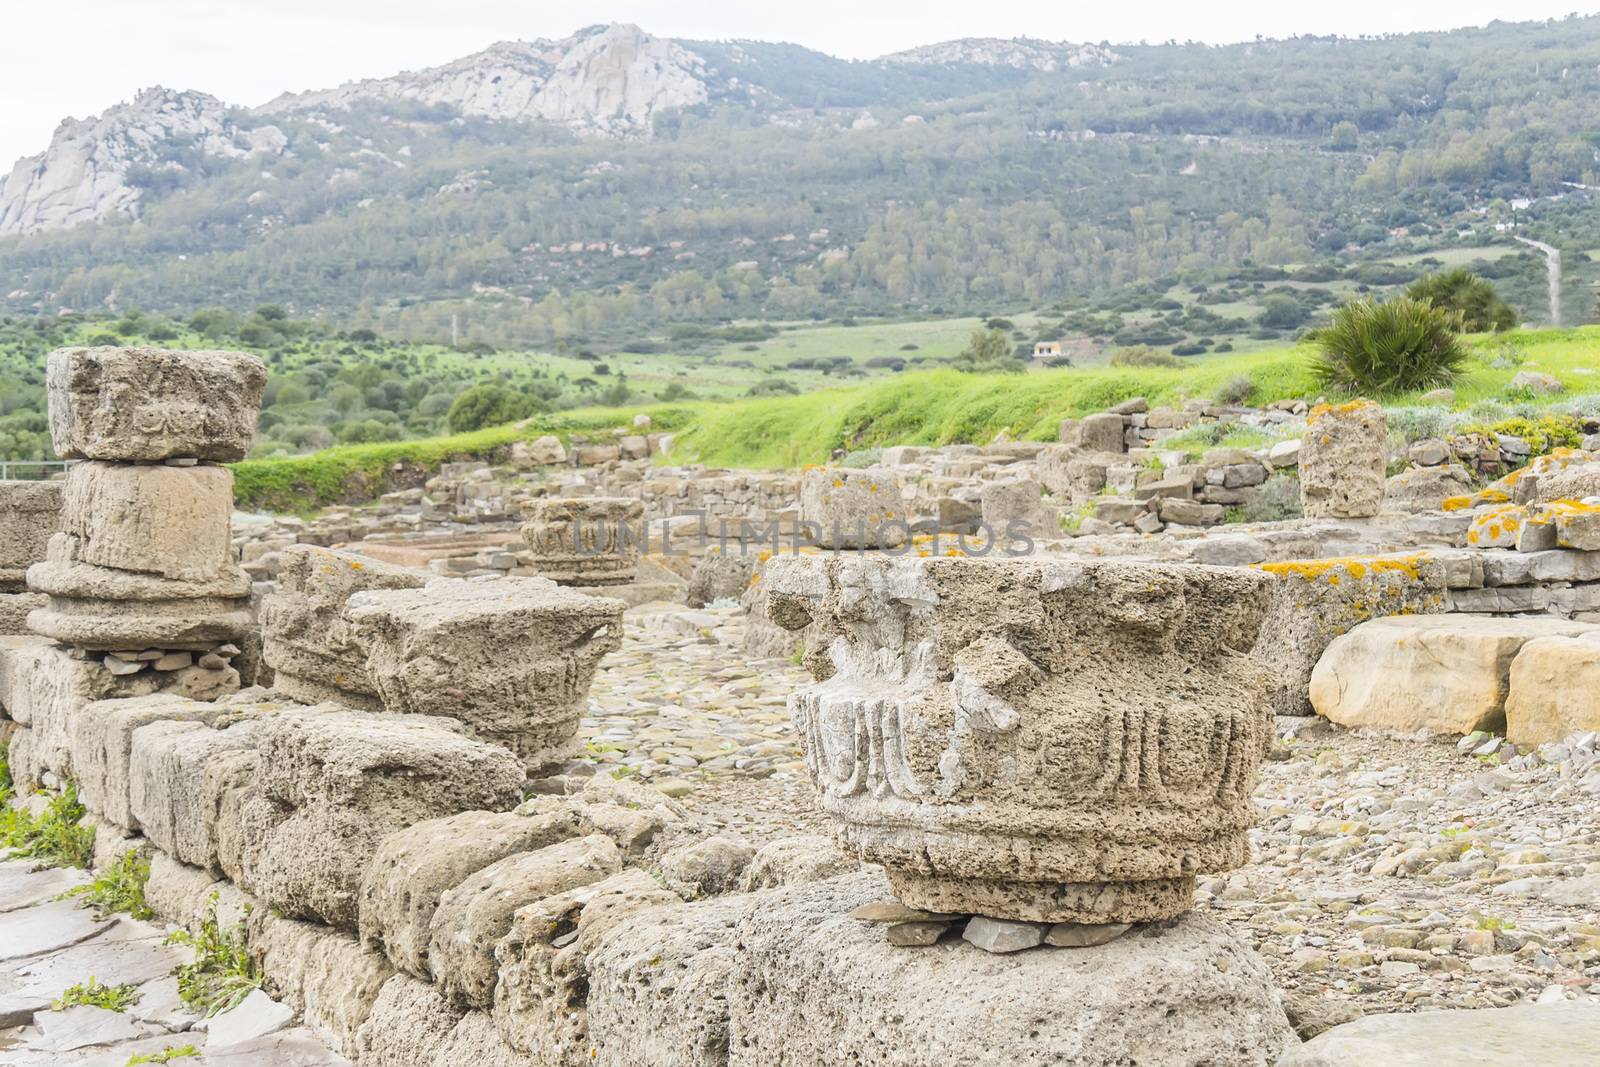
(109, 997)
(1236, 390)
(166, 1055)
(1072, 520)
(118, 888)
(223, 972)
(1543, 433)
(57, 838)
(1490, 922)
(1380, 349)
(1277, 500)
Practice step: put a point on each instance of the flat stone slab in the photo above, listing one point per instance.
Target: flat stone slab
(22, 887)
(46, 928)
(82, 1026)
(1550, 1035)
(253, 1018)
(110, 959)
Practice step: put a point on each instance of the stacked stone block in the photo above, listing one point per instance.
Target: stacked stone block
(143, 571)
(584, 540)
(1343, 460)
(29, 513)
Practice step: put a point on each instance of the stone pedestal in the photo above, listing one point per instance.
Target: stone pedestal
(1047, 741)
(585, 540)
(1343, 460)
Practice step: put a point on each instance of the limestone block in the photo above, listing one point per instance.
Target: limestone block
(331, 784)
(1051, 741)
(1017, 508)
(473, 916)
(1554, 689)
(102, 747)
(1550, 1035)
(1577, 526)
(150, 404)
(412, 868)
(811, 985)
(1576, 482)
(413, 1025)
(1497, 526)
(707, 867)
(178, 773)
(29, 513)
(306, 637)
(177, 892)
(539, 1003)
(150, 517)
(511, 659)
(1316, 600)
(1342, 460)
(1445, 673)
(793, 860)
(853, 508)
(719, 576)
(105, 609)
(1426, 488)
(585, 540)
(15, 609)
(658, 985)
(1053, 469)
(325, 976)
(1102, 432)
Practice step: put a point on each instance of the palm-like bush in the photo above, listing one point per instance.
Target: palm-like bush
(1473, 299)
(1394, 347)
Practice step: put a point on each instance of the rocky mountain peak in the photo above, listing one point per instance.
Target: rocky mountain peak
(1021, 53)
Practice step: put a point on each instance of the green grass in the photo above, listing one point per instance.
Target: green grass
(118, 888)
(56, 838)
(918, 407)
(223, 972)
(109, 997)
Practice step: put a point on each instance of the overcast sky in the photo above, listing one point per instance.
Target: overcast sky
(78, 57)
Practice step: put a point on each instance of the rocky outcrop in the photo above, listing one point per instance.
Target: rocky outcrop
(608, 80)
(84, 176)
(1021, 53)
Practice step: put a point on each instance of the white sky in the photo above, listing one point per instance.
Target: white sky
(78, 57)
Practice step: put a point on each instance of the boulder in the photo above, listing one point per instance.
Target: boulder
(413, 867)
(1444, 673)
(412, 1025)
(331, 784)
(793, 860)
(1342, 460)
(853, 508)
(473, 916)
(809, 984)
(1550, 1035)
(1102, 433)
(719, 576)
(1015, 511)
(510, 659)
(149, 517)
(1553, 687)
(707, 867)
(1040, 740)
(307, 638)
(148, 404)
(1536, 382)
(1426, 488)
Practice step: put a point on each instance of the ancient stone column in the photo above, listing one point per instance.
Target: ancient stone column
(144, 566)
(585, 540)
(1343, 460)
(1036, 740)
(29, 513)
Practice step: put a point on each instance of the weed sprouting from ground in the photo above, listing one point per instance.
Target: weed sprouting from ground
(166, 1055)
(109, 997)
(118, 888)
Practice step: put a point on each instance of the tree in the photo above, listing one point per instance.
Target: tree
(988, 352)
(489, 404)
(1345, 137)
(1379, 349)
(1280, 311)
(1464, 294)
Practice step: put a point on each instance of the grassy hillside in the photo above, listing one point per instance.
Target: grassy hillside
(918, 407)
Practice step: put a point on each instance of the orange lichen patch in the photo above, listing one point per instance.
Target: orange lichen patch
(1456, 503)
(1338, 409)
(1497, 527)
(1333, 571)
(1492, 495)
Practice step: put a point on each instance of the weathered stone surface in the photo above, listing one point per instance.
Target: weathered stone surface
(539, 1003)
(105, 609)
(1016, 510)
(710, 866)
(1425, 488)
(1001, 936)
(1575, 482)
(810, 985)
(1550, 1035)
(1102, 432)
(307, 638)
(851, 508)
(473, 916)
(511, 659)
(1446, 673)
(977, 724)
(29, 513)
(15, 609)
(413, 1025)
(331, 784)
(1342, 459)
(658, 985)
(151, 518)
(151, 404)
(1316, 600)
(412, 868)
(102, 744)
(326, 977)
(719, 576)
(590, 540)
(256, 1016)
(178, 774)
(1554, 689)
(793, 860)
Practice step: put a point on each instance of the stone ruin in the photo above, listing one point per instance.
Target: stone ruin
(585, 540)
(29, 514)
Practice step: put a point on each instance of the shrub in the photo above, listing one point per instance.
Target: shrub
(1473, 300)
(988, 351)
(1236, 390)
(1144, 356)
(1277, 500)
(1543, 434)
(56, 838)
(166, 1055)
(1383, 348)
(489, 404)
